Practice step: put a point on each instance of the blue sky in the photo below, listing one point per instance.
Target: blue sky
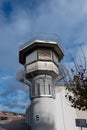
(21, 19)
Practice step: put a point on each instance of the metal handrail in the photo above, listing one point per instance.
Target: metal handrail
(43, 37)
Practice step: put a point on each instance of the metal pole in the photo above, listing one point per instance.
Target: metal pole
(81, 127)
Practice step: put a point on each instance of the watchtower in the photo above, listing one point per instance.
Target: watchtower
(40, 59)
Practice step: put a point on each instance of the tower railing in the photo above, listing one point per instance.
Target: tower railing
(44, 37)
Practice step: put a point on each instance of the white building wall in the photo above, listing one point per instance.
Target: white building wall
(65, 114)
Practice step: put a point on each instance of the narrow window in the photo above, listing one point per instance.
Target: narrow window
(44, 54)
(55, 58)
(49, 89)
(33, 91)
(37, 89)
(31, 57)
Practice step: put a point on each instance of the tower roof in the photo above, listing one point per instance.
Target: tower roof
(27, 49)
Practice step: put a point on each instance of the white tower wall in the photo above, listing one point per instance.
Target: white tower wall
(44, 109)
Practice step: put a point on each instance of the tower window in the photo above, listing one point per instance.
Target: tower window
(31, 57)
(33, 91)
(49, 89)
(37, 89)
(44, 54)
(55, 58)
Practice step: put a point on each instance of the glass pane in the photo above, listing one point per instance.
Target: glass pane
(44, 54)
(55, 58)
(42, 87)
(31, 57)
(37, 89)
(33, 91)
(49, 89)
(46, 87)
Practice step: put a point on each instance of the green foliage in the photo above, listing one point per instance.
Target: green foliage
(78, 88)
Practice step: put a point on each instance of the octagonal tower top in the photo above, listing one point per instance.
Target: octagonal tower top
(29, 48)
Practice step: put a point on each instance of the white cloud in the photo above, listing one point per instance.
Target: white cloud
(5, 77)
(67, 19)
